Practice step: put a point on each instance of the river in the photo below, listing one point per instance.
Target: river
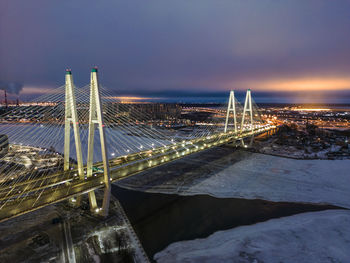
(161, 219)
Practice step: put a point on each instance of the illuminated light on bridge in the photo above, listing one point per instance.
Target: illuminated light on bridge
(131, 154)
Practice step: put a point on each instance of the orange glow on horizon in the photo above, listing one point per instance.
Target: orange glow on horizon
(299, 84)
(255, 84)
(126, 98)
(311, 109)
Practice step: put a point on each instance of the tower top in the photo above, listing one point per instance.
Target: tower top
(68, 71)
(94, 69)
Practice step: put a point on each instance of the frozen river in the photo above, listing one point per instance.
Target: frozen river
(161, 219)
(225, 173)
(308, 237)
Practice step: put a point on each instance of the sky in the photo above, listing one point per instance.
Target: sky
(164, 47)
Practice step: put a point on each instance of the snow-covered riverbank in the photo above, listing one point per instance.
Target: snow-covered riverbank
(309, 237)
(281, 179)
(256, 176)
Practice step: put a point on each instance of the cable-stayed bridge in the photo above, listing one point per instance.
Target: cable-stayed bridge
(73, 141)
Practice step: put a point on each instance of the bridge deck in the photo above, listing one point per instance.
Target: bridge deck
(33, 194)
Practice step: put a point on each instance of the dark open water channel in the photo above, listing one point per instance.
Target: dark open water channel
(161, 219)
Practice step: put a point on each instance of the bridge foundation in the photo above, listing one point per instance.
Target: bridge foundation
(251, 141)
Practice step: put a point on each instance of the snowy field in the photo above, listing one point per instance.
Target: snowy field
(308, 237)
(259, 176)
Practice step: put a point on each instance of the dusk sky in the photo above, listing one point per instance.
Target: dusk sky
(189, 45)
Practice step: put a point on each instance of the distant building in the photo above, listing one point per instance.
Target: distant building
(4, 145)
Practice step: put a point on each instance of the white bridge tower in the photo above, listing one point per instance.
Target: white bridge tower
(95, 118)
(71, 117)
(247, 108)
(231, 108)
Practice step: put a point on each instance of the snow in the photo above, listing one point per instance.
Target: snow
(282, 179)
(308, 237)
(273, 178)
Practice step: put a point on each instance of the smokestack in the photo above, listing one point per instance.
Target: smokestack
(17, 102)
(5, 99)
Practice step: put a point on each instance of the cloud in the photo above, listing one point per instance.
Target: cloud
(11, 87)
(183, 45)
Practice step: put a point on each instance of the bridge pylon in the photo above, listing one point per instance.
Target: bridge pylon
(231, 108)
(96, 118)
(71, 118)
(248, 108)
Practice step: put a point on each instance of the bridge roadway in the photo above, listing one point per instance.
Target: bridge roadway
(29, 195)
